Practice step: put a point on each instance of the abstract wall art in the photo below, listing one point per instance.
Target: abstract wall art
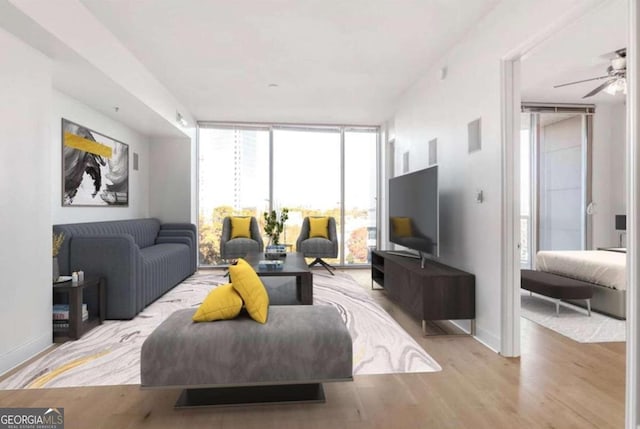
(95, 168)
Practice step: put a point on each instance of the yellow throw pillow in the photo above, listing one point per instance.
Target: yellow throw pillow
(222, 303)
(319, 227)
(247, 283)
(241, 227)
(402, 226)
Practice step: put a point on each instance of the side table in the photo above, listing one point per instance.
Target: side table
(91, 290)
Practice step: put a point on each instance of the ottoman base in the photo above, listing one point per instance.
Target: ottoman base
(251, 395)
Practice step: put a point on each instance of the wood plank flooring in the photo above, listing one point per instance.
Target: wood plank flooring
(557, 383)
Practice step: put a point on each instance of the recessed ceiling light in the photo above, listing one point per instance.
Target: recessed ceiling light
(273, 85)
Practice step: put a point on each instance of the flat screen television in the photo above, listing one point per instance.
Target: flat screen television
(413, 211)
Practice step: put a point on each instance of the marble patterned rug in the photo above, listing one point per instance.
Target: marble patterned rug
(110, 353)
(573, 321)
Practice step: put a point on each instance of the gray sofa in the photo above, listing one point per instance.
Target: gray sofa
(140, 259)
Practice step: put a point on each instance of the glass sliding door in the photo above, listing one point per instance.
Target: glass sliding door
(563, 189)
(306, 177)
(526, 191)
(360, 195)
(233, 174)
(556, 178)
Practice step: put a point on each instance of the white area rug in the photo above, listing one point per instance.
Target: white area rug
(573, 321)
(110, 354)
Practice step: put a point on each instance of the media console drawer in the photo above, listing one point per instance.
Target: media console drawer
(435, 292)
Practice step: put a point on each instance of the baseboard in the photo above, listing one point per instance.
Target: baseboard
(24, 352)
(487, 339)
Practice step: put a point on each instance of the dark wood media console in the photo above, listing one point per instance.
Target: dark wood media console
(435, 292)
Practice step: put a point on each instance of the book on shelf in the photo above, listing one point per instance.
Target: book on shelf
(271, 264)
(61, 312)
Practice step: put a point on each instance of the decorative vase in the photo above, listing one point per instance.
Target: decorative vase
(56, 269)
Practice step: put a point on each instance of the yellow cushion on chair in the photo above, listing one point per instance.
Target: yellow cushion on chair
(319, 227)
(247, 283)
(402, 226)
(222, 303)
(240, 227)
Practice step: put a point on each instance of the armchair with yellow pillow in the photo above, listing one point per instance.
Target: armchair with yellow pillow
(318, 239)
(240, 235)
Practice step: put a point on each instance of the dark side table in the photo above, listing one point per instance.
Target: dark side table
(91, 291)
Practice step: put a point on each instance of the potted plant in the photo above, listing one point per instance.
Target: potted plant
(274, 225)
(56, 244)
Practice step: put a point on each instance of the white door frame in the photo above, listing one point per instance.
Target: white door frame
(510, 236)
(632, 405)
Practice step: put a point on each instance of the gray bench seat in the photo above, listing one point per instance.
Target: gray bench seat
(299, 344)
(555, 286)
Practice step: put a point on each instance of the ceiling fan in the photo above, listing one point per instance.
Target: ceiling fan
(616, 76)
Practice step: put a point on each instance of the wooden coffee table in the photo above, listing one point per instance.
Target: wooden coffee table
(294, 265)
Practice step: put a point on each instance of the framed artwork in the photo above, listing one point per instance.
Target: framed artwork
(95, 168)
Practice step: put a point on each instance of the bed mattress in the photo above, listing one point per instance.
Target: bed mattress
(595, 266)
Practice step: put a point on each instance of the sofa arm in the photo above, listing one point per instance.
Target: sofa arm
(187, 230)
(116, 257)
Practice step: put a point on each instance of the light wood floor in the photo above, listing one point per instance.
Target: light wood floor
(557, 383)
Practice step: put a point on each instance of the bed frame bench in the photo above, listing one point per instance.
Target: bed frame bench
(557, 287)
(240, 361)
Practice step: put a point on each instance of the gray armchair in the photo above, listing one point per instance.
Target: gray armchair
(318, 247)
(234, 248)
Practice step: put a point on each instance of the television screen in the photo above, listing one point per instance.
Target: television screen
(413, 210)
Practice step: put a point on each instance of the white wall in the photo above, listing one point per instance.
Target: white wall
(470, 233)
(609, 187)
(169, 167)
(25, 209)
(73, 110)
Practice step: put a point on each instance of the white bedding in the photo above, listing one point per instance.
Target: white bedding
(595, 266)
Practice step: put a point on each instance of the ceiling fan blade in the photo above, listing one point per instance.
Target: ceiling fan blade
(580, 81)
(600, 88)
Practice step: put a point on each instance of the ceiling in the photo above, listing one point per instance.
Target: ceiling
(332, 61)
(74, 76)
(579, 51)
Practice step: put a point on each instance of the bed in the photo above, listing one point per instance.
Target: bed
(604, 269)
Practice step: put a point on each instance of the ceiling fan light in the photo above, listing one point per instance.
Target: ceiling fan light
(617, 87)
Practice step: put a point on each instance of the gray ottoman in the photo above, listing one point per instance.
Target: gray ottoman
(241, 361)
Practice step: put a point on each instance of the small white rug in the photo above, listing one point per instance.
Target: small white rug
(573, 321)
(110, 353)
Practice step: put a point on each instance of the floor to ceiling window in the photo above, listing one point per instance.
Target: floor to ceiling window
(329, 171)
(306, 177)
(233, 179)
(360, 195)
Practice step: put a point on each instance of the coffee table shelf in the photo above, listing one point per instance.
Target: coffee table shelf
(294, 265)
